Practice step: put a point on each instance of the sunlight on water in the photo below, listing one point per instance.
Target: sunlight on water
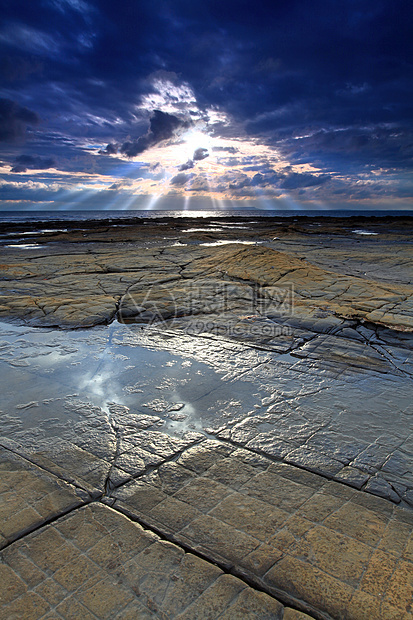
(227, 241)
(25, 246)
(364, 232)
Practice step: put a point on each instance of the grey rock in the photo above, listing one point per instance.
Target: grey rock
(378, 486)
(352, 476)
(314, 461)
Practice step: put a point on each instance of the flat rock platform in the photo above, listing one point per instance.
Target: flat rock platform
(207, 420)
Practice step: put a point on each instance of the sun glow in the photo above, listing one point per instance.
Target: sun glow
(191, 141)
(195, 163)
(195, 139)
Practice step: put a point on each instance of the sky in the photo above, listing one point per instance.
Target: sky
(209, 104)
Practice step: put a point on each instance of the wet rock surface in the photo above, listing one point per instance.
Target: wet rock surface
(253, 407)
(113, 403)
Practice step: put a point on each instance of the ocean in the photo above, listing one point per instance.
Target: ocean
(83, 216)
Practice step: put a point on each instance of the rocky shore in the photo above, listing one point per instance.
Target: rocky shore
(240, 444)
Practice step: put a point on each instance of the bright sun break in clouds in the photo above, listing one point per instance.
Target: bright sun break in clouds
(170, 104)
(194, 160)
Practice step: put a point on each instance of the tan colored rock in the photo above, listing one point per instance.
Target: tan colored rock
(30, 496)
(128, 573)
(293, 614)
(214, 600)
(358, 522)
(85, 288)
(308, 583)
(254, 605)
(321, 543)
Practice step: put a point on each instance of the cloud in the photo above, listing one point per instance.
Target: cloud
(30, 190)
(111, 149)
(349, 147)
(186, 166)
(296, 180)
(230, 161)
(200, 184)
(200, 154)
(30, 39)
(335, 97)
(24, 162)
(240, 184)
(234, 180)
(162, 126)
(76, 5)
(16, 68)
(14, 120)
(180, 179)
(169, 94)
(268, 178)
(123, 184)
(225, 149)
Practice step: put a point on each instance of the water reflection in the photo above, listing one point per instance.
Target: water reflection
(25, 246)
(42, 371)
(79, 385)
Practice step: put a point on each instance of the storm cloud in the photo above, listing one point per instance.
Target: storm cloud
(323, 89)
(110, 149)
(24, 162)
(297, 180)
(162, 126)
(14, 120)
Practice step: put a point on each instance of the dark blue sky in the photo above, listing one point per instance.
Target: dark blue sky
(176, 103)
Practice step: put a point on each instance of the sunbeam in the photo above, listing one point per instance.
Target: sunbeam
(150, 205)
